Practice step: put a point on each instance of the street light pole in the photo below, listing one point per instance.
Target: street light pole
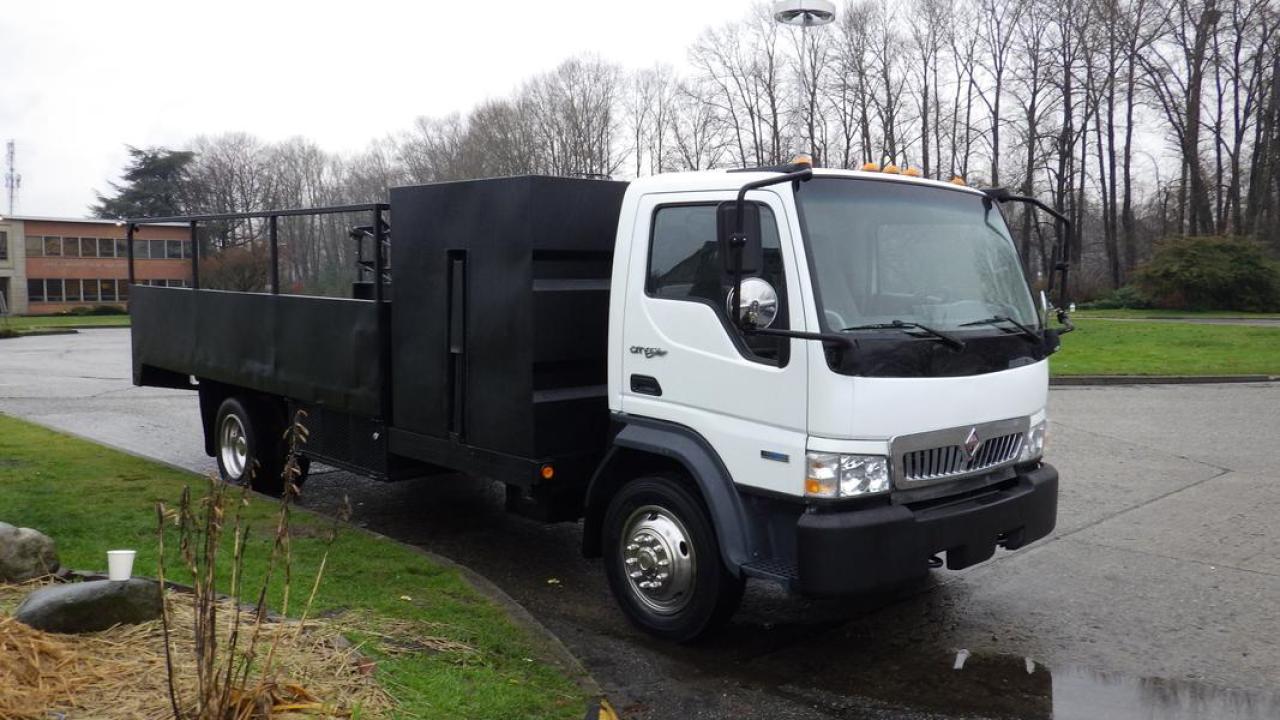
(805, 14)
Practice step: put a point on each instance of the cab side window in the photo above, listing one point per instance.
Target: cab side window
(685, 264)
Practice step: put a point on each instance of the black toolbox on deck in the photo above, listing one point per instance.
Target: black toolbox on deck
(500, 322)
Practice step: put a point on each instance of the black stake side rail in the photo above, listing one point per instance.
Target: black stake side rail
(272, 217)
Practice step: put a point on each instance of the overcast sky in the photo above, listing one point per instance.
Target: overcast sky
(79, 80)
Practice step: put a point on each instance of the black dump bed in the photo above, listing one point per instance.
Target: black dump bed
(501, 312)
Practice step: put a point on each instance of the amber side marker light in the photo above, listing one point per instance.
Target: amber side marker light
(548, 472)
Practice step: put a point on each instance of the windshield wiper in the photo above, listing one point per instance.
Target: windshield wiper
(951, 341)
(1027, 333)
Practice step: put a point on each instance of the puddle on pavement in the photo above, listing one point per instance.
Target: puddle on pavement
(1017, 687)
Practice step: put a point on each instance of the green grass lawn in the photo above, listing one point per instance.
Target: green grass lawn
(1101, 347)
(1126, 313)
(91, 499)
(23, 324)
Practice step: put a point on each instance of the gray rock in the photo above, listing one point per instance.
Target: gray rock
(90, 606)
(25, 554)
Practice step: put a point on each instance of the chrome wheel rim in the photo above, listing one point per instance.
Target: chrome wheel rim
(658, 559)
(233, 446)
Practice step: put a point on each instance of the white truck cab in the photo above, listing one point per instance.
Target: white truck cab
(878, 401)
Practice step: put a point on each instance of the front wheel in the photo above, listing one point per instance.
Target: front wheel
(663, 561)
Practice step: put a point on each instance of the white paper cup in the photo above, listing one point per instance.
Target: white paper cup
(120, 564)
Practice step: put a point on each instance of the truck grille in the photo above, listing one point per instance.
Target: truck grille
(942, 455)
(941, 462)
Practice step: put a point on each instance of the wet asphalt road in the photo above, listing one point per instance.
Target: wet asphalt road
(1157, 596)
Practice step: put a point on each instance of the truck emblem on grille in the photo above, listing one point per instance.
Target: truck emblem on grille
(971, 444)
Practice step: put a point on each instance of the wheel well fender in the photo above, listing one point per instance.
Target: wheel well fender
(644, 448)
(213, 394)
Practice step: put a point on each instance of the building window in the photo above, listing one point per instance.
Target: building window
(106, 247)
(123, 285)
(70, 247)
(53, 290)
(71, 290)
(174, 249)
(52, 246)
(122, 248)
(157, 249)
(90, 290)
(4, 245)
(107, 290)
(88, 247)
(35, 290)
(186, 250)
(35, 246)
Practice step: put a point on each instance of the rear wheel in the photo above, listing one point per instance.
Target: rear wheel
(663, 561)
(248, 446)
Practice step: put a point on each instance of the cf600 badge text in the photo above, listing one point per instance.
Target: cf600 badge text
(647, 352)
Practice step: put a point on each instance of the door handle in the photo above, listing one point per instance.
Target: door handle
(646, 385)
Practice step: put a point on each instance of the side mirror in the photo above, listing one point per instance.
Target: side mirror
(751, 250)
(759, 307)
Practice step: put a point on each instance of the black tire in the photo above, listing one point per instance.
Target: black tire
(260, 460)
(705, 596)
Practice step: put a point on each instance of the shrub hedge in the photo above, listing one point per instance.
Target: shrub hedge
(1210, 273)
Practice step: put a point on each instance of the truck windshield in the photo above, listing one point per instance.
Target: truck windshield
(885, 252)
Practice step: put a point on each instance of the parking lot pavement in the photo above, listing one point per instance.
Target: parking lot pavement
(1155, 596)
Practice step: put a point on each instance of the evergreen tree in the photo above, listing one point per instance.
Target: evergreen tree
(156, 183)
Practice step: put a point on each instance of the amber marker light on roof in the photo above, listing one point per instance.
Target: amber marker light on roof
(802, 159)
(870, 167)
(911, 172)
(548, 472)
(957, 180)
(890, 169)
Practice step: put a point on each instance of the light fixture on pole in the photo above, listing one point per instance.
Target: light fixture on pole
(805, 14)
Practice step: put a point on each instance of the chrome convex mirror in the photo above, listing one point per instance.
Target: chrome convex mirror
(759, 303)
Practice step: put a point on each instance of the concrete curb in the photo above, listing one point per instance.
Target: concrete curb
(543, 639)
(1077, 380)
(42, 333)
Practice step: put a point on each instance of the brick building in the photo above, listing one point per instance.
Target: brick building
(51, 265)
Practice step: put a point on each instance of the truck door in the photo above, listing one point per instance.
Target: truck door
(684, 362)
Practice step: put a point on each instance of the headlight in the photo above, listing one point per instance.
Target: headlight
(831, 475)
(1033, 444)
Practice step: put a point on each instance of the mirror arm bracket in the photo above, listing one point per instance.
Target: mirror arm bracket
(1060, 263)
(739, 239)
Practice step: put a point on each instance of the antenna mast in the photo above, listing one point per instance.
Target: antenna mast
(12, 180)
